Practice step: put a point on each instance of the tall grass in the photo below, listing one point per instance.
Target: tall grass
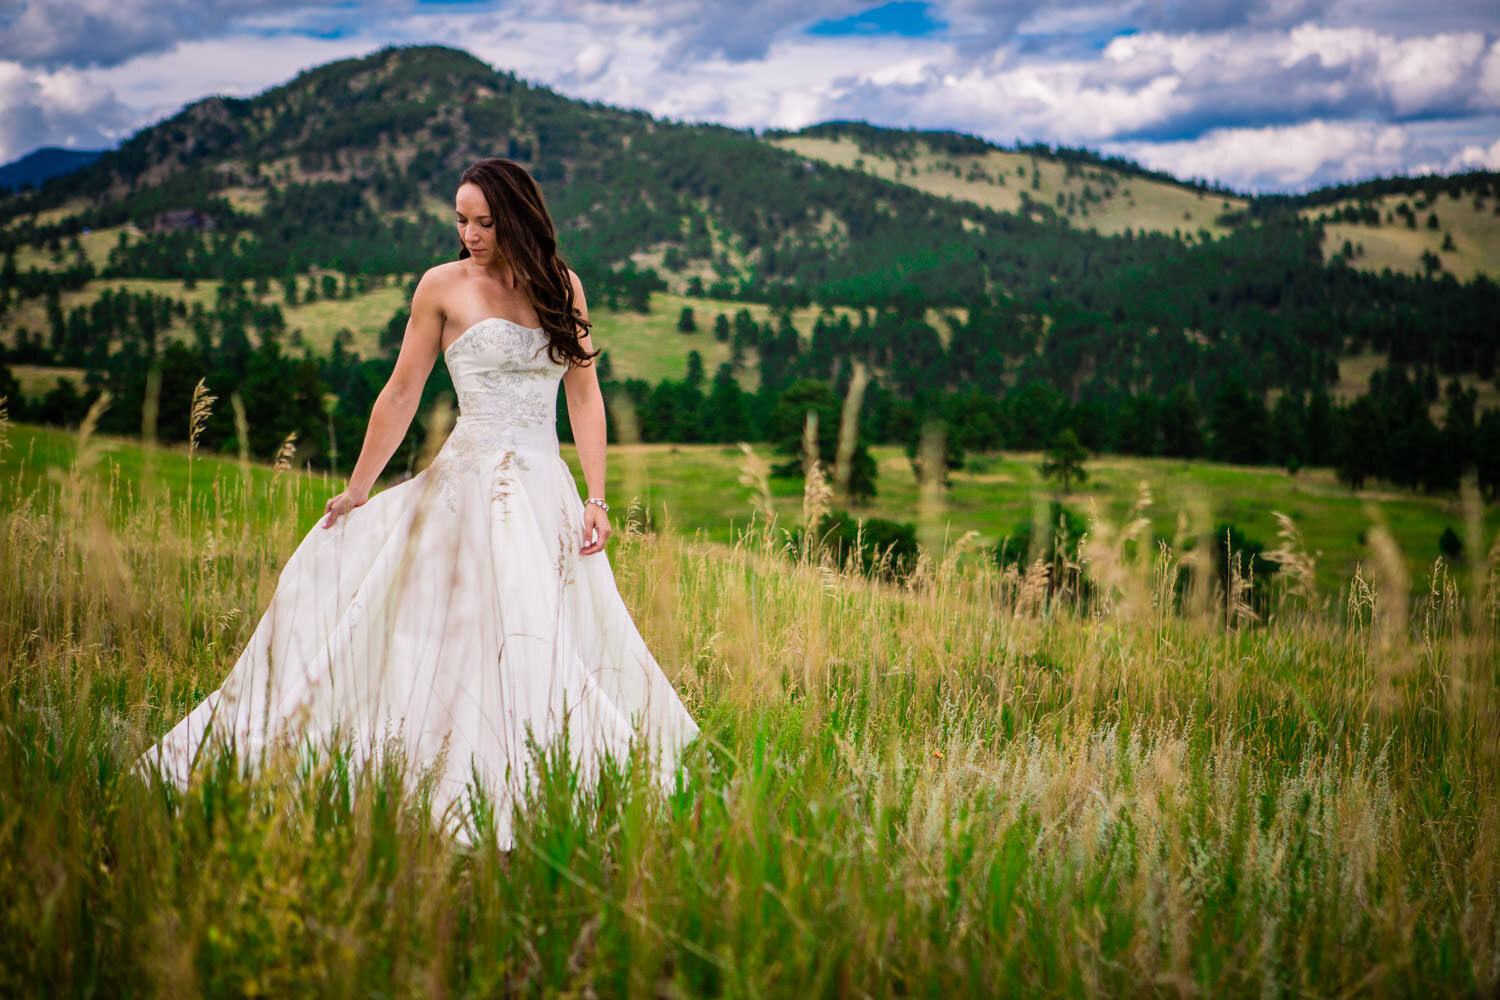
(977, 782)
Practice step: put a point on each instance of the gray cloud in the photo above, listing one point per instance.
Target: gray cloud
(728, 29)
(56, 109)
(55, 33)
(1403, 18)
(1269, 78)
(1219, 15)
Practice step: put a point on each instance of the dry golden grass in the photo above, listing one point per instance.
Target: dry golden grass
(364, 316)
(1137, 203)
(52, 215)
(32, 314)
(38, 380)
(1393, 245)
(1356, 371)
(96, 246)
(248, 200)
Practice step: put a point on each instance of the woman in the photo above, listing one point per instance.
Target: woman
(471, 606)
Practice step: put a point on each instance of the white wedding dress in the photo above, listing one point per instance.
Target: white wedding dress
(453, 612)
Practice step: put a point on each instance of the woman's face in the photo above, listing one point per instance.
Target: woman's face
(476, 227)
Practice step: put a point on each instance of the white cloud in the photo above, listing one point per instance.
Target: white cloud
(1279, 157)
(160, 84)
(1419, 73)
(1264, 77)
(1475, 158)
(1487, 94)
(591, 60)
(38, 108)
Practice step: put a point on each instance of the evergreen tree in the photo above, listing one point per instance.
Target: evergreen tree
(1360, 439)
(1487, 454)
(1064, 460)
(726, 418)
(1319, 428)
(785, 430)
(1289, 432)
(1240, 424)
(1138, 426)
(1181, 424)
(1459, 427)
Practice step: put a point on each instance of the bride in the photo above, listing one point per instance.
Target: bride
(472, 606)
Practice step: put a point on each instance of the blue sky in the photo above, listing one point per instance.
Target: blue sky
(908, 18)
(1261, 95)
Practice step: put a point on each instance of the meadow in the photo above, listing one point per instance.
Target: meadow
(998, 179)
(696, 491)
(979, 782)
(1472, 225)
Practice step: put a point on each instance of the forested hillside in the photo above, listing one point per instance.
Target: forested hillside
(268, 244)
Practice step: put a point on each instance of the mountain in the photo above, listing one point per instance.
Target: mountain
(1019, 290)
(1087, 191)
(40, 164)
(1372, 225)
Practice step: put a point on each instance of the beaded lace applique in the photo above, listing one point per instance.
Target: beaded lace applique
(507, 388)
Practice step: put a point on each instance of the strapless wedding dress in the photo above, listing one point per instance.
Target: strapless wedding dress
(453, 613)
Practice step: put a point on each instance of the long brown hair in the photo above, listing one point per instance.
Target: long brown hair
(526, 238)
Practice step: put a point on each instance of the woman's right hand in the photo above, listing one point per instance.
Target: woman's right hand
(342, 504)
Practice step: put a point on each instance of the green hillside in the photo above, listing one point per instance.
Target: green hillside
(268, 245)
(1414, 233)
(1092, 196)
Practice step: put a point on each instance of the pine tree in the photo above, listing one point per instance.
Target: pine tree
(1065, 460)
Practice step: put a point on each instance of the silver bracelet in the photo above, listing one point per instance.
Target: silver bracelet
(598, 502)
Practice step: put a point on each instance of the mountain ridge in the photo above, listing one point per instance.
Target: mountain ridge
(980, 279)
(42, 164)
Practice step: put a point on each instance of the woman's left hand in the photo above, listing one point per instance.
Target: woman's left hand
(596, 529)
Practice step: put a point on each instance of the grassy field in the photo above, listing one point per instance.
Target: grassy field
(1137, 203)
(640, 345)
(956, 787)
(96, 246)
(697, 491)
(1392, 244)
(32, 313)
(1356, 371)
(52, 215)
(38, 380)
(364, 316)
(649, 345)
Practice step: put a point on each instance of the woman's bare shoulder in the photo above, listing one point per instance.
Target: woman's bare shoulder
(445, 273)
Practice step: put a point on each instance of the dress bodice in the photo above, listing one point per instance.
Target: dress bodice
(507, 383)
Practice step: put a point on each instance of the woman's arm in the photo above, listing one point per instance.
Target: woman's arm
(397, 403)
(586, 417)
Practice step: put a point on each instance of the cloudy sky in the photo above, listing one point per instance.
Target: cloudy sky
(1260, 95)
